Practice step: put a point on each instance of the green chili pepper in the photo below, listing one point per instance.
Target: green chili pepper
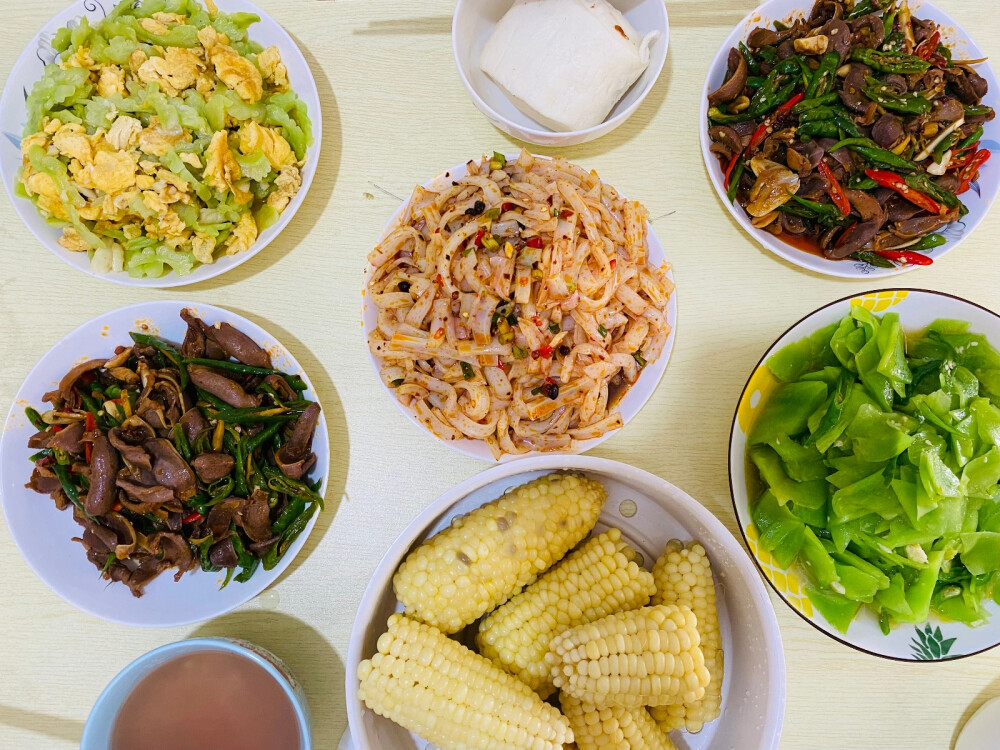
(203, 549)
(873, 259)
(824, 75)
(215, 401)
(774, 91)
(113, 391)
(768, 54)
(926, 185)
(890, 62)
(973, 138)
(734, 180)
(288, 538)
(248, 570)
(861, 182)
(820, 101)
(928, 242)
(888, 97)
(467, 372)
(862, 9)
(43, 453)
(62, 474)
(235, 449)
(225, 364)
(181, 442)
(261, 437)
(35, 418)
(873, 152)
(819, 129)
(754, 82)
(753, 65)
(220, 490)
(976, 110)
(717, 115)
(825, 213)
(937, 155)
(289, 514)
(166, 350)
(888, 21)
(278, 482)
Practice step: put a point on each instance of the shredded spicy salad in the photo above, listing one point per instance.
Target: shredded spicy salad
(517, 304)
(162, 138)
(853, 131)
(180, 457)
(875, 466)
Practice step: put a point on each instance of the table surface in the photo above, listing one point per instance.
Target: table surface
(396, 113)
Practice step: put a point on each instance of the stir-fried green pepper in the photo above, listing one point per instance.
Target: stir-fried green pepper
(225, 364)
(926, 185)
(35, 418)
(718, 116)
(824, 75)
(181, 442)
(875, 153)
(821, 101)
(288, 537)
(889, 62)
(910, 103)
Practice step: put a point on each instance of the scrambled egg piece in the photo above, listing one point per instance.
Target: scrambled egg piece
(191, 159)
(111, 81)
(286, 184)
(154, 26)
(269, 62)
(254, 137)
(177, 70)
(124, 133)
(157, 141)
(136, 59)
(72, 141)
(234, 70)
(72, 241)
(222, 170)
(112, 171)
(170, 19)
(203, 246)
(243, 235)
(80, 59)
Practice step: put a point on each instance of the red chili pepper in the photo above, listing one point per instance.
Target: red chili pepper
(937, 60)
(845, 234)
(478, 242)
(785, 108)
(836, 192)
(536, 320)
(729, 170)
(765, 126)
(89, 424)
(613, 262)
(895, 182)
(565, 214)
(546, 352)
(116, 507)
(960, 158)
(535, 242)
(506, 206)
(928, 47)
(970, 170)
(193, 517)
(500, 365)
(759, 134)
(57, 428)
(905, 256)
(438, 280)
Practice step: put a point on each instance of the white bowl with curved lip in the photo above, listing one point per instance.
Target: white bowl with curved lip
(754, 683)
(978, 200)
(13, 116)
(631, 403)
(472, 25)
(44, 534)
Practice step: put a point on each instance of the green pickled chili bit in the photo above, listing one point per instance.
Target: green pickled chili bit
(519, 353)
(553, 327)
(924, 184)
(492, 214)
(166, 350)
(603, 331)
(888, 21)
(639, 360)
(734, 180)
(36, 419)
(467, 372)
(499, 161)
(890, 62)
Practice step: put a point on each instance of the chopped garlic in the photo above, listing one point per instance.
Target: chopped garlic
(916, 553)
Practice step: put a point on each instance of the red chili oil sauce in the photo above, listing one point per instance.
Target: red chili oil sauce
(208, 700)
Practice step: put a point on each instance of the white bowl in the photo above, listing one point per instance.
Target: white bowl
(978, 199)
(628, 406)
(753, 691)
(44, 534)
(28, 69)
(917, 309)
(473, 24)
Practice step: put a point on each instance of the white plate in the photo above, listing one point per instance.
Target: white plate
(43, 534)
(630, 404)
(28, 69)
(753, 690)
(917, 309)
(473, 24)
(978, 199)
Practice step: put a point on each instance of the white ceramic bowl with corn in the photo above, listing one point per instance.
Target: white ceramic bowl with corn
(514, 602)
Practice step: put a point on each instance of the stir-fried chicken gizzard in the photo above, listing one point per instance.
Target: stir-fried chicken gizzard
(853, 131)
(180, 457)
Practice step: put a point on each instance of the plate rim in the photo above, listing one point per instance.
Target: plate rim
(840, 637)
(460, 446)
(6, 437)
(771, 634)
(171, 279)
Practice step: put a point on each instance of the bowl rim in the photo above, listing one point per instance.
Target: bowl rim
(536, 131)
(783, 250)
(840, 637)
(382, 575)
(170, 279)
(462, 446)
(6, 435)
(177, 649)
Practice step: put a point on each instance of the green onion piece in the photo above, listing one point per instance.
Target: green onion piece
(491, 213)
(499, 161)
(602, 330)
(637, 356)
(490, 242)
(467, 372)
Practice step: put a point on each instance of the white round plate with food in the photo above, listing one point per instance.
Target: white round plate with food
(907, 637)
(144, 257)
(648, 512)
(977, 199)
(650, 322)
(44, 535)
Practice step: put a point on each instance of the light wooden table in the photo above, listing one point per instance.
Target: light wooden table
(395, 114)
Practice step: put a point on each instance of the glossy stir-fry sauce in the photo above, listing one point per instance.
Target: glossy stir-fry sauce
(855, 130)
(180, 457)
(210, 700)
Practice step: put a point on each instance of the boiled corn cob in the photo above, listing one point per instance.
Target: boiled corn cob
(645, 657)
(434, 686)
(613, 728)
(684, 576)
(598, 579)
(489, 555)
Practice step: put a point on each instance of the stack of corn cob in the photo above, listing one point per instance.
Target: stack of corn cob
(627, 672)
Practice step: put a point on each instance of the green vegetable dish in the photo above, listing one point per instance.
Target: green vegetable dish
(874, 465)
(162, 138)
